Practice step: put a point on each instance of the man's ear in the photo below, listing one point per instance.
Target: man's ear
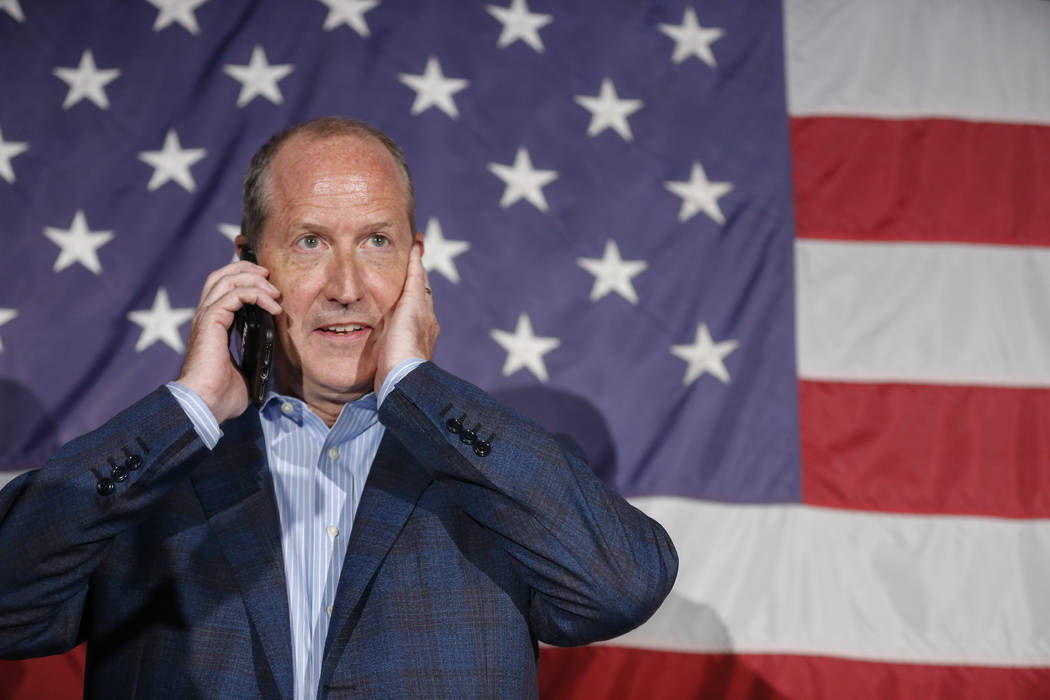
(419, 240)
(239, 243)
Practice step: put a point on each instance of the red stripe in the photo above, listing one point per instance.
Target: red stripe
(586, 673)
(54, 677)
(926, 449)
(921, 180)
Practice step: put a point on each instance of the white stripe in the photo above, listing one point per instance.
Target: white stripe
(986, 60)
(923, 313)
(804, 580)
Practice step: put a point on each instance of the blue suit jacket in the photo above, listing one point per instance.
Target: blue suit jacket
(457, 564)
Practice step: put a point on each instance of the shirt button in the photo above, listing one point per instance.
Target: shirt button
(329, 610)
(333, 531)
(333, 453)
(287, 408)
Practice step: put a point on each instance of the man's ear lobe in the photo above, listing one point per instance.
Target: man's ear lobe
(239, 242)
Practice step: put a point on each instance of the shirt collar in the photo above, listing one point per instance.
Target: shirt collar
(354, 418)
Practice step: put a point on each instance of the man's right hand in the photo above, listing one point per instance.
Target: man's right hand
(209, 369)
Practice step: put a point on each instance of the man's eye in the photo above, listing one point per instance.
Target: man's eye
(309, 242)
(378, 240)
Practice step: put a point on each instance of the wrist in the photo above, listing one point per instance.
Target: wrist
(203, 419)
(396, 374)
(210, 399)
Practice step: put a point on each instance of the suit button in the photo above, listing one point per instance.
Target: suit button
(105, 487)
(454, 425)
(482, 449)
(119, 473)
(133, 462)
(467, 437)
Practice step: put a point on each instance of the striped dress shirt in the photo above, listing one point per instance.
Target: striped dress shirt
(318, 476)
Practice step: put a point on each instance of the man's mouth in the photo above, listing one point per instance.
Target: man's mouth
(342, 329)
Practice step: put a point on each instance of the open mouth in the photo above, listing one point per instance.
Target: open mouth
(348, 331)
(342, 330)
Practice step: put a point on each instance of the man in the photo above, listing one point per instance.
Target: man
(378, 528)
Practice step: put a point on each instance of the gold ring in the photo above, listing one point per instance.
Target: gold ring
(427, 290)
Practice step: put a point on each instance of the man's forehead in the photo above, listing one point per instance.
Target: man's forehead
(309, 169)
(335, 146)
(350, 184)
(346, 157)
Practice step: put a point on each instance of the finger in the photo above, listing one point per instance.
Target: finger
(247, 279)
(237, 297)
(227, 271)
(415, 281)
(426, 279)
(222, 311)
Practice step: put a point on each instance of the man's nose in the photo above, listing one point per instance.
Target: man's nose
(343, 283)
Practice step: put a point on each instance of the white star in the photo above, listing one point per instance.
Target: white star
(258, 78)
(704, 355)
(612, 273)
(13, 9)
(8, 150)
(172, 162)
(180, 11)
(524, 348)
(691, 39)
(5, 316)
(608, 110)
(438, 251)
(351, 12)
(161, 323)
(522, 181)
(700, 194)
(87, 81)
(78, 244)
(519, 23)
(433, 89)
(231, 231)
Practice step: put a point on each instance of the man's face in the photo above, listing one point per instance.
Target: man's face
(336, 242)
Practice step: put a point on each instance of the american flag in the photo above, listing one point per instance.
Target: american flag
(780, 268)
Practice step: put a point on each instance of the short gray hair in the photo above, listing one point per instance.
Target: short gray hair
(257, 185)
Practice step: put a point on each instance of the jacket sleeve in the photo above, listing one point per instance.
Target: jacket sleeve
(56, 522)
(597, 566)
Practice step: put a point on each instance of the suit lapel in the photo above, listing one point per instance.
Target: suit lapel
(395, 483)
(236, 492)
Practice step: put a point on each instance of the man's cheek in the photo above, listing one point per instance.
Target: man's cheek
(381, 295)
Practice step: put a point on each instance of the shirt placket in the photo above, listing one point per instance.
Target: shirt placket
(319, 521)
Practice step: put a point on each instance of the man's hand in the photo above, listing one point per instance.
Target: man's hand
(413, 328)
(209, 369)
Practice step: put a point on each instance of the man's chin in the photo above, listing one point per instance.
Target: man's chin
(331, 379)
(334, 386)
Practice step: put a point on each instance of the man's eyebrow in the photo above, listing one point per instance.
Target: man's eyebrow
(307, 225)
(298, 227)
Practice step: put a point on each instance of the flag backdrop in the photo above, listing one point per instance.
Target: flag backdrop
(781, 269)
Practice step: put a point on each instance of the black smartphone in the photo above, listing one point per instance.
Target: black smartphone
(255, 327)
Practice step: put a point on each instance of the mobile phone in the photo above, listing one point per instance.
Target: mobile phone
(255, 326)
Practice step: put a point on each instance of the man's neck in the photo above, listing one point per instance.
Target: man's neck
(327, 405)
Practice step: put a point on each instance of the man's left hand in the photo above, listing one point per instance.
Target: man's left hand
(413, 328)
